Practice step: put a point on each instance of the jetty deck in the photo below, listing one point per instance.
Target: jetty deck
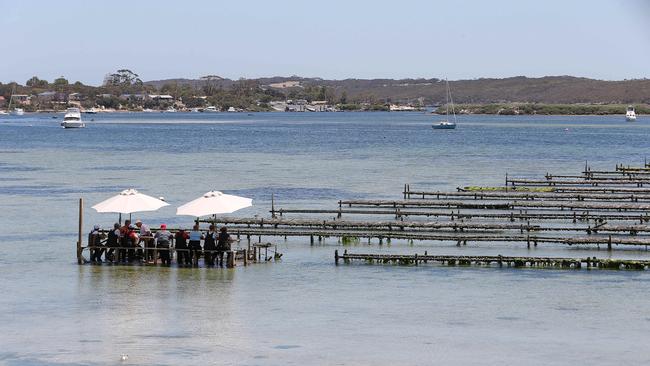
(498, 260)
(608, 208)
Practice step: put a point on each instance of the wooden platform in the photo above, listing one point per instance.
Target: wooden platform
(500, 261)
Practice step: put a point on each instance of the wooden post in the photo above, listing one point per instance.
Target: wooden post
(230, 259)
(336, 257)
(272, 205)
(245, 257)
(80, 238)
(609, 243)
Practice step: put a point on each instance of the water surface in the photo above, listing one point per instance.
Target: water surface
(303, 310)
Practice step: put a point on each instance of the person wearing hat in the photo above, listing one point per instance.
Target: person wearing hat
(163, 239)
(95, 243)
(147, 239)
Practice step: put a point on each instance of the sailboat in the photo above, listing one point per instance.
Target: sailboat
(630, 115)
(16, 111)
(446, 124)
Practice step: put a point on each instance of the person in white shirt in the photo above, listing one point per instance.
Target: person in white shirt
(147, 240)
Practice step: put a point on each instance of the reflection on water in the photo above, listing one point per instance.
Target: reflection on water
(302, 310)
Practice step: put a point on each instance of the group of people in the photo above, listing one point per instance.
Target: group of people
(137, 243)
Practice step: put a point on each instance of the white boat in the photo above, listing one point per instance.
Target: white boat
(170, 110)
(91, 111)
(445, 124)
(210, 109)
(15, 111)
(630, 115)
(72, 119)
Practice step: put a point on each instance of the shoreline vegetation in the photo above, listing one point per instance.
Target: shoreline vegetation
(578, 109)
(124, 91)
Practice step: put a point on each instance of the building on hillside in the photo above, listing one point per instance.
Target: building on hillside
(76, 97)
(3, 101)
(133, 96)
(23, 99)
(162, 97)
(46, 96)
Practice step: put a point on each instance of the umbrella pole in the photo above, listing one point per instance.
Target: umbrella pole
(120, 219)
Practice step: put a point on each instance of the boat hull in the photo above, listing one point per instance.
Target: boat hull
(630, 118)
(444, 127)
(73, 124)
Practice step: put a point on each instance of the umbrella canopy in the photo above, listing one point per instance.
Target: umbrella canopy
(129, 201)
(214, 203)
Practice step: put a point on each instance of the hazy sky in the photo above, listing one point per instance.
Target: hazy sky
(84, 40)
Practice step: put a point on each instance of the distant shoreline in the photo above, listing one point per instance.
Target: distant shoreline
(546, 109)
(348, 111)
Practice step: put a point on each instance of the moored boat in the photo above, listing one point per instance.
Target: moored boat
(630, 114)
(72, 119)
(446, 124)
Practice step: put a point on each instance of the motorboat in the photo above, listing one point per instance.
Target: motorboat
(170, 110)
(92, 110)
(630, 115)
(72, 119)
(210, 109)
(18, 112)
(446, 124)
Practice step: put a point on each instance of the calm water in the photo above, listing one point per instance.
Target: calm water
(303, 310)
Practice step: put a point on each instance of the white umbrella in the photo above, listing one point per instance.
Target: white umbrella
(129, 201)
(214, 203)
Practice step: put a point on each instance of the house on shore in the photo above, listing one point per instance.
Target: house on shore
(22, 99)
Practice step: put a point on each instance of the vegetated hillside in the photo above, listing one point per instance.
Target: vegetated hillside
(549, 89)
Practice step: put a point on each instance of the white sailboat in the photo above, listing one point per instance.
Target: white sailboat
(72, 119)
(16, 111)
(630, 115)
(446, 124)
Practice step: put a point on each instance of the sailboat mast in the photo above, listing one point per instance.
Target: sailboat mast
(11, 98)
(447, 98)
(452, 102)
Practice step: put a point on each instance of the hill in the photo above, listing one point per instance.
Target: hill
(549, 89)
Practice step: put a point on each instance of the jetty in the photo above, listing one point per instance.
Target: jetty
(498, 260)
(607, 209)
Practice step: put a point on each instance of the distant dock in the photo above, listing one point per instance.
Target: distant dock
(500, 261)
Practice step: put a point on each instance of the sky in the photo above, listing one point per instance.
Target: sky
(84, 40)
